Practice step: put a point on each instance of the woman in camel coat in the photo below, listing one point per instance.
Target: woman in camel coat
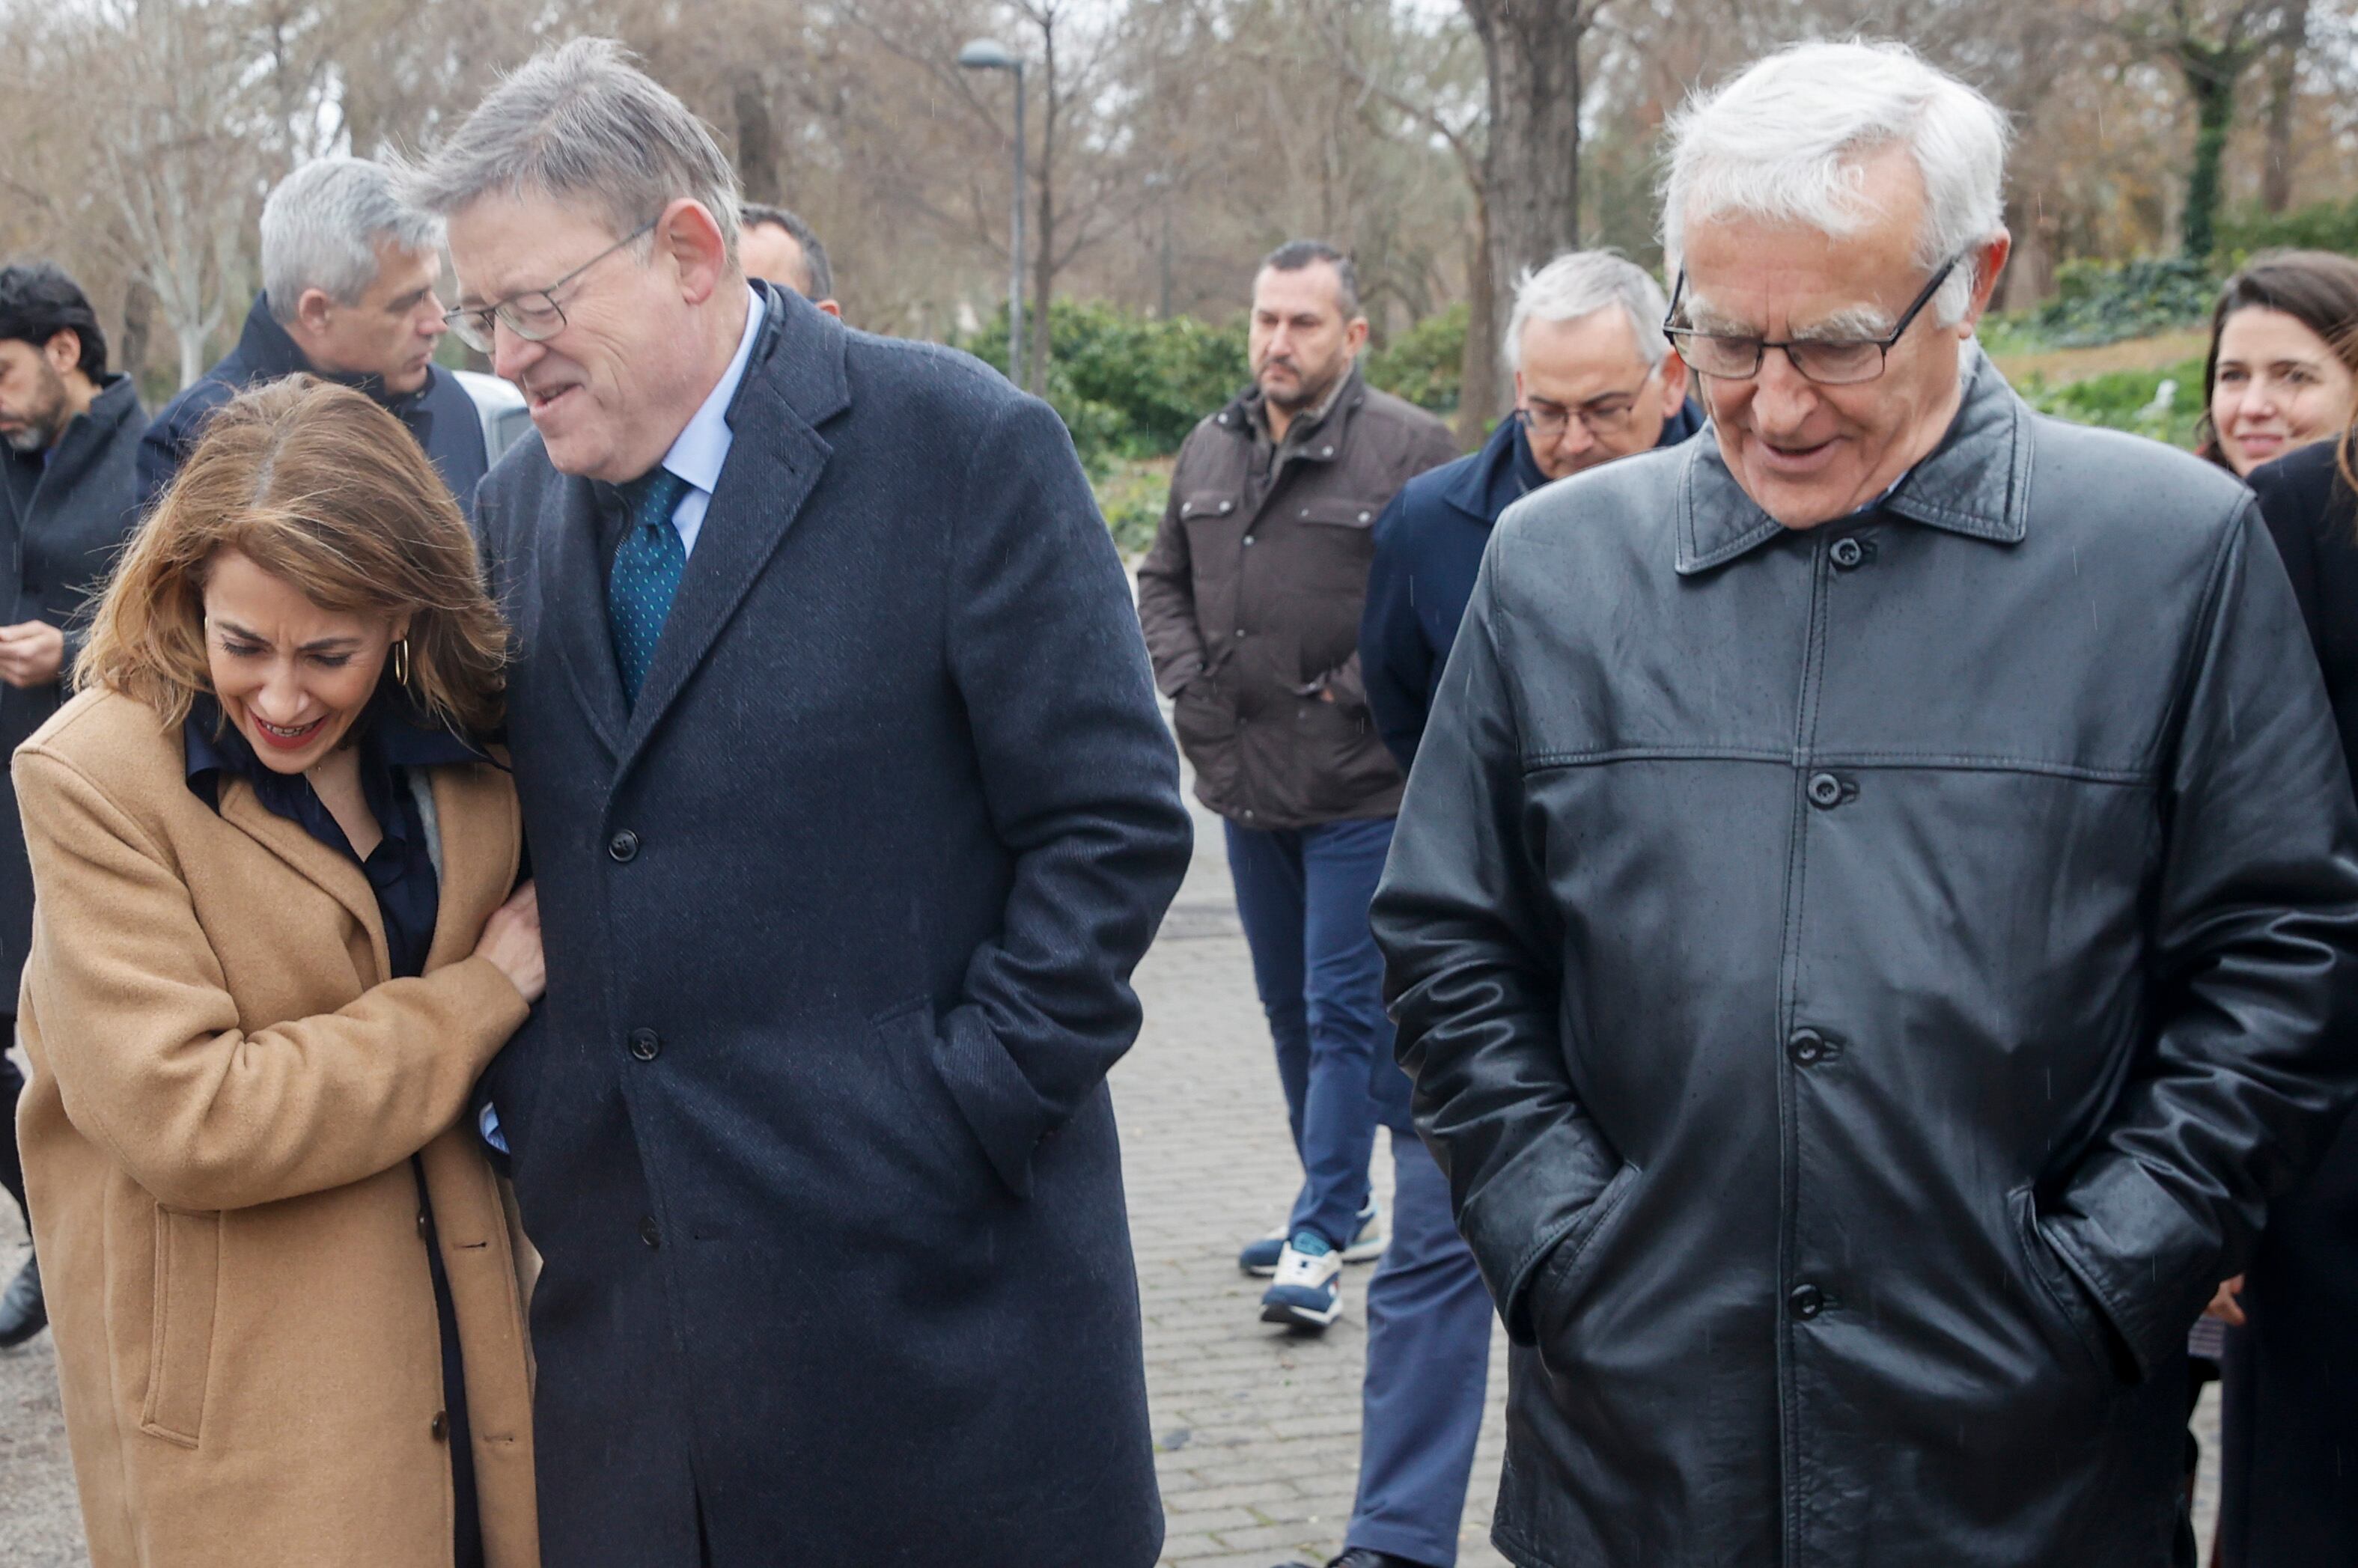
(273, 945)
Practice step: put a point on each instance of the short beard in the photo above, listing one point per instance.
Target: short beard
(1312, 395)
(47, 421)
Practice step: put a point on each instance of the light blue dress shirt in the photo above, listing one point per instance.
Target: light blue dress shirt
(702, 449)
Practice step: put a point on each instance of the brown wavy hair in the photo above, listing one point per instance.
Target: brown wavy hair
(319, 487)
(2317, 289)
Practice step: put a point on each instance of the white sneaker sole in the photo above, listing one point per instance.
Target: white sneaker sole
(1300, 1316)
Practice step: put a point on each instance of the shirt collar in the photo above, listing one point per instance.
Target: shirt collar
(1976, 482)
(703, 447)
(394, 733)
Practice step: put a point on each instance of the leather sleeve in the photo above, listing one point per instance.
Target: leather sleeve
(2255, 960)
(1474, 977)
(1167, 600)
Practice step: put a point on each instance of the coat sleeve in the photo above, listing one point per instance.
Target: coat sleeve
(1395, 664)
(1167, 601)
(2254, 932)
(1473, 976)
(138, 1025)
(1081, 781)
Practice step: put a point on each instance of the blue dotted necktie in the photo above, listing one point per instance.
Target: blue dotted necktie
(646, 574)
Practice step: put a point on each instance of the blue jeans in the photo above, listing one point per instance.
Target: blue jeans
(1428, 1360)
(1303, 894)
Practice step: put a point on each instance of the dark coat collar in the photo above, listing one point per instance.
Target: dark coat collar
(793, 383)
(264, 352)
(1497, 479)
(1976, 482)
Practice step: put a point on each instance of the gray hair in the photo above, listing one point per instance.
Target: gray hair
(581, 123)
(1581, 283)
(321, 226)
(1783, 141)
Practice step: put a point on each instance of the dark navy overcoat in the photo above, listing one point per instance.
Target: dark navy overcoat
(813, 1132)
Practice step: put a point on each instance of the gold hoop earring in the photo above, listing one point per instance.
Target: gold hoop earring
(401, 663)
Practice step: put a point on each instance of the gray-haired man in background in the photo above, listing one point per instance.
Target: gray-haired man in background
(348, 295)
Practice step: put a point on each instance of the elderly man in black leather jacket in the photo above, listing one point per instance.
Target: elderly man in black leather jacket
(1873, 917)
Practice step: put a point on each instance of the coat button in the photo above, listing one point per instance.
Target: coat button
(648, 1233)
(623, 846)
(1227, 507)
(1848, 553)
(1806, 1302)
(645, 1044)
(1325, 451)
(421, 1225)
(1249, 538)
(439, 1427)
(1825, 791)
(1807, 1047)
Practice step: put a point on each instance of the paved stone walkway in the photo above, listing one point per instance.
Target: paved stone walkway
(1257, 1428)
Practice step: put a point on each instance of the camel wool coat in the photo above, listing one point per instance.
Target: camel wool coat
(218, 1131)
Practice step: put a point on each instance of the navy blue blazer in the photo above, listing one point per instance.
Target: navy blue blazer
(813, 1132)
(439, 414)
(1428, 548)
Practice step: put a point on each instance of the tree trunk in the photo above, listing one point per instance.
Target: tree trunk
(1479, 376)
(1530, 167)
(138, 329)
(757, 142)
(2211, 81)
(2283, 97)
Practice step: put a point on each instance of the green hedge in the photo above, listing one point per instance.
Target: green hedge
(1127, 386)
(2099, 302)
(1425, 363)
(2323, 226)
(2132, 400)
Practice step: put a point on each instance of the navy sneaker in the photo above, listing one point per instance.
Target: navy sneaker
(1260, 1258)
(1308, 1290)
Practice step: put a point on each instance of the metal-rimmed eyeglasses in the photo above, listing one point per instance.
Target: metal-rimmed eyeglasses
(1829, 361)
(1608, 415)
(533, 315)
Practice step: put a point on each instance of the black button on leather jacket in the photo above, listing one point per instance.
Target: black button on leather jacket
(1864, 984)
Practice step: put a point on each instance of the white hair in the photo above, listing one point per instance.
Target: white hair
(1581, 283)
(321, 226)
(1785, 140)
(581, 123)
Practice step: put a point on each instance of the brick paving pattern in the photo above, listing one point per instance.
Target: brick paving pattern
(1255, 1427)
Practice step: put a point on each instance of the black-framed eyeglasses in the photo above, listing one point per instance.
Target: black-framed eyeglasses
(1607, 414)
(1829, 361)
(533, 315)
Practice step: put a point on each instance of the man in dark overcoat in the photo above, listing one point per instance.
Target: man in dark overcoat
(349, 295)
(851, 811)
(71, 432)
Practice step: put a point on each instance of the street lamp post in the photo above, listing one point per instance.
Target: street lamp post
(985, 54)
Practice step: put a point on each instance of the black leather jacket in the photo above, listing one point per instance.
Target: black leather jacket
(1864, 985)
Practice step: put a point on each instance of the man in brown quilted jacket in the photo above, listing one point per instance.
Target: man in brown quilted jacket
(1251, 600)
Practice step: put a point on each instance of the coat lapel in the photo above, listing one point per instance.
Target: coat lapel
(573, 597)
(311, 860)
(795, 381)
(475, 817)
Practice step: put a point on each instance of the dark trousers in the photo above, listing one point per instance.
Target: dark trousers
(12, 1165)
(1428, 1362)
(1303, 894)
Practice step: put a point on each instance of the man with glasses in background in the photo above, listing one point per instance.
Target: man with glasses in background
(1876, 915)
(1595, 379)
(348, 295)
